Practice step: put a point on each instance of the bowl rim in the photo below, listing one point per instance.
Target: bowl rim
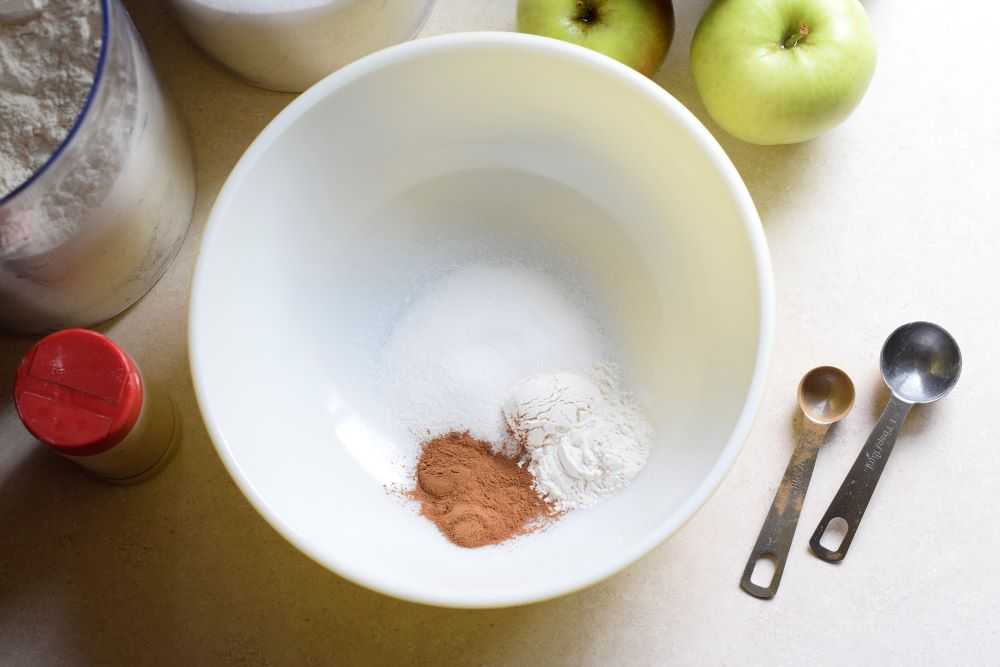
(642, 85)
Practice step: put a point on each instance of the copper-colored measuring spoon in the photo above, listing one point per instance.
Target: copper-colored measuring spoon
(826, 395)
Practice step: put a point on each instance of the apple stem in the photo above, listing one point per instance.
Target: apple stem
(586, 12)
(796, 37)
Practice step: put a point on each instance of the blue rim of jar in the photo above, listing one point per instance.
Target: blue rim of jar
(81, 117)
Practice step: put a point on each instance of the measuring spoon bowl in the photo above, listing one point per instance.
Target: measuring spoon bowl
(826, 395)
(920, 362)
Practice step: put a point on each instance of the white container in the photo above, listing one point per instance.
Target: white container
(433, 155)
(288, 45)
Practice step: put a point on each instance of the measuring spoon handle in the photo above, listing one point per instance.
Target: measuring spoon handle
(856, 491)
(776, 534)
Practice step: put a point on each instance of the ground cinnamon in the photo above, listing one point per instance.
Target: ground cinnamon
(475, 496)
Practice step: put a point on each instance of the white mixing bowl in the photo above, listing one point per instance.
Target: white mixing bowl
(430, 155)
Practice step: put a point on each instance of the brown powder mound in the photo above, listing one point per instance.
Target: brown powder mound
(475, 497)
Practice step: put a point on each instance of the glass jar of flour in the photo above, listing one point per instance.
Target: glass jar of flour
(97, 167)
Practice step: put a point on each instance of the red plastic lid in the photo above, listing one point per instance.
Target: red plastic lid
(78, 392)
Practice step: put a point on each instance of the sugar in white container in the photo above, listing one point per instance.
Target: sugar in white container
(288, 45)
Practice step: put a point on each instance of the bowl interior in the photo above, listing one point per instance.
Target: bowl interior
(420, 160)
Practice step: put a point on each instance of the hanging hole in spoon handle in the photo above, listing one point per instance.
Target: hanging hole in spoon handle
(756, 590)
(856, 491)
(775, 537)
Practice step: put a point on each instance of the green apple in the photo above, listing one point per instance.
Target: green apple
(635, 32)
(782, 71)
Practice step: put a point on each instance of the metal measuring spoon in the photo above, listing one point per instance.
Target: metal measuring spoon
(920, 363)
(826, 395)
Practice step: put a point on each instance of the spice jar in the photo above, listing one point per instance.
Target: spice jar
(85, 398)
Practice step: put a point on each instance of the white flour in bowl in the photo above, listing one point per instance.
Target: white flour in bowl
(581, 435)
(48, 55)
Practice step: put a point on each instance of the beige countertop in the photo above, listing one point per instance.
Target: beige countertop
(890, 218)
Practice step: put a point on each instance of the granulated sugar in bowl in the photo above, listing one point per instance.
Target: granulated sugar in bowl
(538, 173)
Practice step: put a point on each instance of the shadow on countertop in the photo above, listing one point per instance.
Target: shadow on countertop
(181, 570)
